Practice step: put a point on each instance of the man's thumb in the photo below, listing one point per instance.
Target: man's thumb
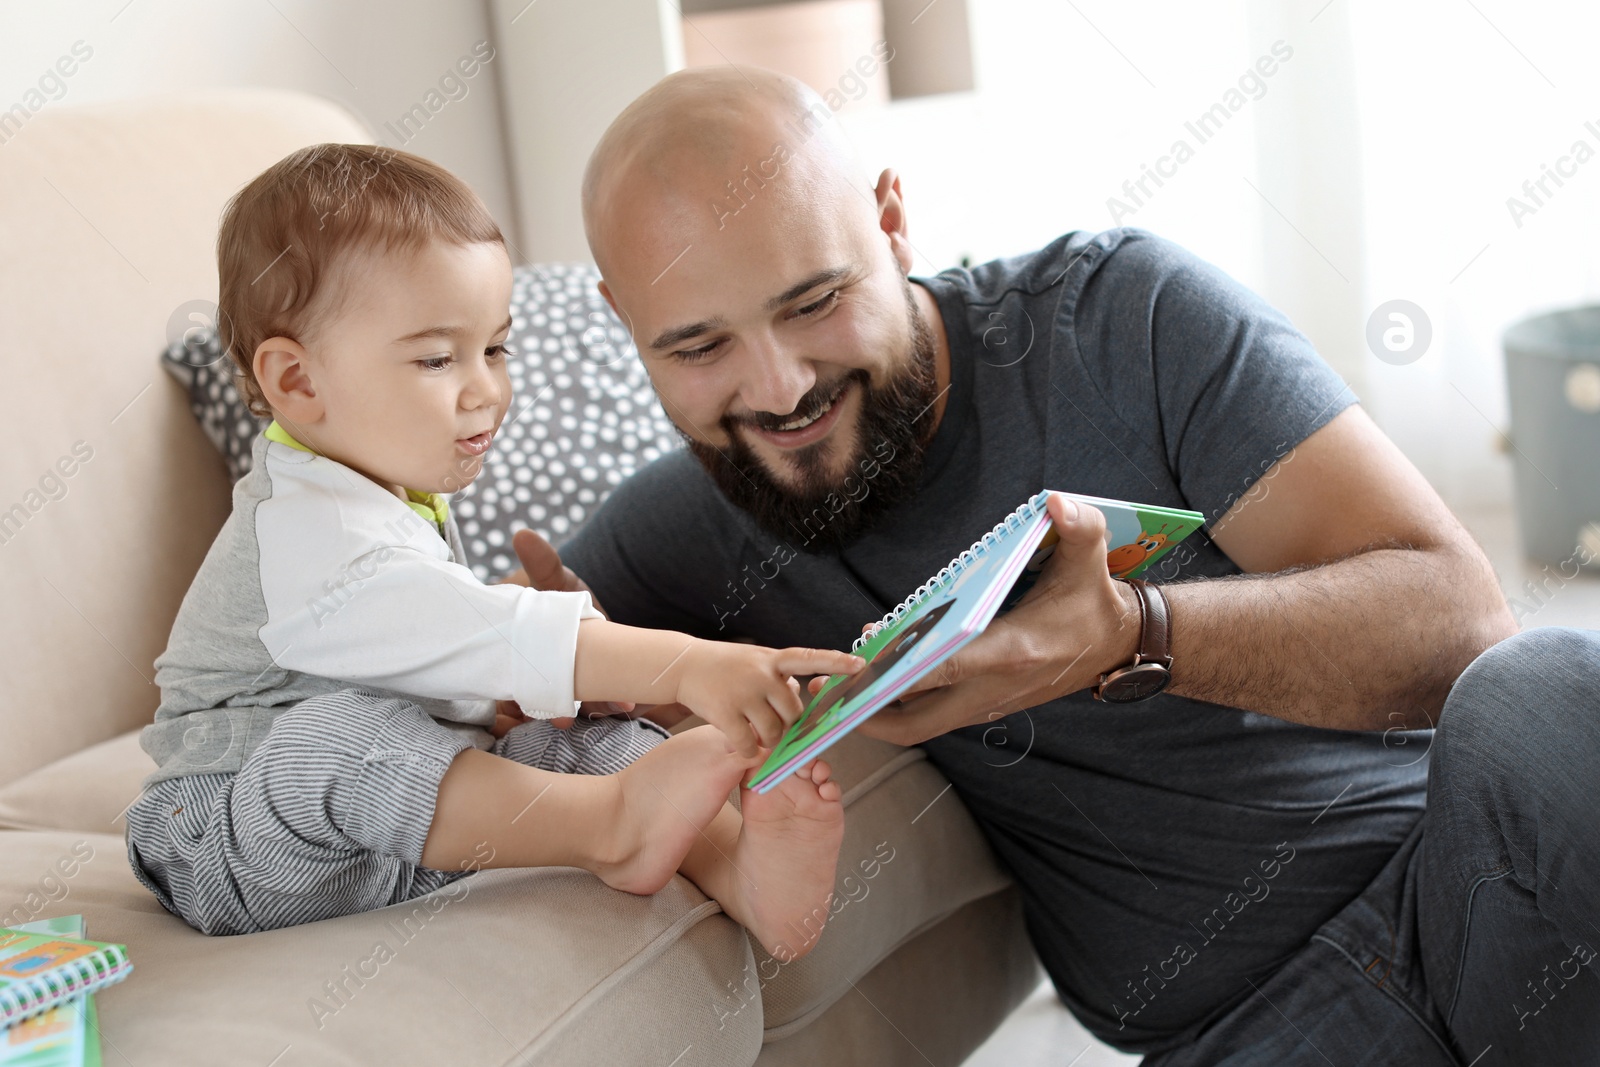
(541, 562)
(1078, 525)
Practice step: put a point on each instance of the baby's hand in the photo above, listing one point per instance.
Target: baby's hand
(749, 692)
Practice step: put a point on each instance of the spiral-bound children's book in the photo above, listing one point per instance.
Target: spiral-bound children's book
(41, 970)
(67, 1035)
(955, 605)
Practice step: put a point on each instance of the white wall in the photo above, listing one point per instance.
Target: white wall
(1459, 107)
(1382, 156)
(1073, 101)
(377, 59)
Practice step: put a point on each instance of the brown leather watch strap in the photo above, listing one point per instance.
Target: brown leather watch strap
(1155, 639)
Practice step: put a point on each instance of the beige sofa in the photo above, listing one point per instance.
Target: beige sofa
(109, 496)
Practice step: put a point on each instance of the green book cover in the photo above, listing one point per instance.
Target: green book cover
(40, 971)
(67, 1035)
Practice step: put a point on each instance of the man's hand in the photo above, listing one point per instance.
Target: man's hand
(542, 569)
(1075, 624)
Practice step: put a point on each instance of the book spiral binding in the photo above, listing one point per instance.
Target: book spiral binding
(951, 571)
(84, 975)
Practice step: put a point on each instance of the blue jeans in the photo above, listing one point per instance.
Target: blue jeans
(1477, 943)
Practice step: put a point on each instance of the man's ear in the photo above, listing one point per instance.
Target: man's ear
(892, 217)
(282, 369)
(605, 291)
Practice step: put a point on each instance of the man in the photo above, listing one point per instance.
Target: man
(1234, 867)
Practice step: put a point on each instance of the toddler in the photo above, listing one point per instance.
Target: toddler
(323, 742)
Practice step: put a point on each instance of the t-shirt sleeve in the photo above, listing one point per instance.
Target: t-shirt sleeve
(1201, 368)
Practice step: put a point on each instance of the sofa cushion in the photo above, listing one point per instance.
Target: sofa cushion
(504, 966)
(903, 1013)
(89, 790)
(197, 361)
(583, 415)
(911, 856)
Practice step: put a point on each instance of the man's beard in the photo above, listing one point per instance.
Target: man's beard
(892, 433)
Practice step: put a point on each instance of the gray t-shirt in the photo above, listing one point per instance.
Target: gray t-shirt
(1167, 850)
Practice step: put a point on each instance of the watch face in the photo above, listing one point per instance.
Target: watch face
(1139, 682)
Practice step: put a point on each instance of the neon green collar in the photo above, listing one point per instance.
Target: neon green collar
(279, 434)
(431, 506)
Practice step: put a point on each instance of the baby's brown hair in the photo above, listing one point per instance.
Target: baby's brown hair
(283, 237)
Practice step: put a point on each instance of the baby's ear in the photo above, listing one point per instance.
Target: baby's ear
(282, 370)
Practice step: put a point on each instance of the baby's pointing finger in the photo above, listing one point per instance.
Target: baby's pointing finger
(818, 661)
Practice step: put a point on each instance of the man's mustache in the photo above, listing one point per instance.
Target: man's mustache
(818, 398)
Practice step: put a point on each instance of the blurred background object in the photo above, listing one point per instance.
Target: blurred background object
(817, 41)
(1553, 374)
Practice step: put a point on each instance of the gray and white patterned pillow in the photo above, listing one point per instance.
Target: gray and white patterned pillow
(583, 415)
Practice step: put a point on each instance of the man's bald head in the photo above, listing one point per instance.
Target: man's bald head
(765, 284)
(682, 148)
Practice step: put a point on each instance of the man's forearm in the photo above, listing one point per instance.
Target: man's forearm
(1368, 642)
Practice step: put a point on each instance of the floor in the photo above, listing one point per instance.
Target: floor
(1041, 1033)
(1554, 600)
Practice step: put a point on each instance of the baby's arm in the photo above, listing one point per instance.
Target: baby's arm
(410, 622)
(746, 691)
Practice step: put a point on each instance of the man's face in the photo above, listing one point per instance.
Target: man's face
(410, 365)
(787, 348)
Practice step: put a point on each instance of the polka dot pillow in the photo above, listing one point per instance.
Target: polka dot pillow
(583, 415)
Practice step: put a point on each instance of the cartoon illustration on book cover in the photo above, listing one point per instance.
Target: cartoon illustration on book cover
(43, 957)
(887, 656)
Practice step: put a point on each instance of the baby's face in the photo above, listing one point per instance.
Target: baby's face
(411, 367)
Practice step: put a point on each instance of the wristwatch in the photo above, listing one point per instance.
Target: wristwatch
(1151, 669)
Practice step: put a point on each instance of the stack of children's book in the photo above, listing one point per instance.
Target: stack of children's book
(47, 975)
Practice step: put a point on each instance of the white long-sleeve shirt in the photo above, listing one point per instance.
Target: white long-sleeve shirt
(321, 580)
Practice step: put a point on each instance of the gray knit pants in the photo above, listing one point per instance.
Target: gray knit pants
(328, 815)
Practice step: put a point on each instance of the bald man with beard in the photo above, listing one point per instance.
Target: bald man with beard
(1237, 869)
